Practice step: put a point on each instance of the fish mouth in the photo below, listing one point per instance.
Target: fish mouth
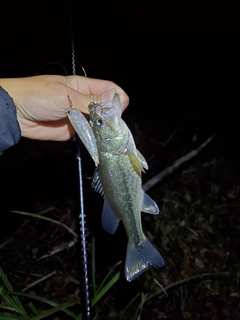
(103, 111)
(96, 109)
(92, 110)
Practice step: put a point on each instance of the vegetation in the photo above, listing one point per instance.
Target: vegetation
(197, 232)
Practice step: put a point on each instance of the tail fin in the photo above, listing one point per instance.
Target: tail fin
(139, 258)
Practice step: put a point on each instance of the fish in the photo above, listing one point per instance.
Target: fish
(118, 178)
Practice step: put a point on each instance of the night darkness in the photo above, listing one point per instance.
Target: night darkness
(170, 58)
(178, 62)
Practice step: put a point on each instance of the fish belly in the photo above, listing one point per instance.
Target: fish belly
(123, 190)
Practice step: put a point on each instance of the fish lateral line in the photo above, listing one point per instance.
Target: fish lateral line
(118, 152)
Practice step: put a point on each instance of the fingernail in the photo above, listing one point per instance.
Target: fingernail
(108, 95)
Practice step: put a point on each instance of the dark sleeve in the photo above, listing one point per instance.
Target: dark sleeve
(10, 133)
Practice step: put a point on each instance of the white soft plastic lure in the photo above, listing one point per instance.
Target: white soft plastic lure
(119, 166)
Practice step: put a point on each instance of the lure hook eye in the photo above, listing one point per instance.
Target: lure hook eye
(91, 106)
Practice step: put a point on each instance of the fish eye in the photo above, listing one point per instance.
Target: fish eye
(99, 122)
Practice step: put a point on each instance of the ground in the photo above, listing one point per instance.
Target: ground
(196, 231)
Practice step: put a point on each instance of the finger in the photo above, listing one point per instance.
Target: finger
(95, 88)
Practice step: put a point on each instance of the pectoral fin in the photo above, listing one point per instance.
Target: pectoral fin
(136, 164)
(142, 160)
(149, 205)
(109, 220)
(137, 159)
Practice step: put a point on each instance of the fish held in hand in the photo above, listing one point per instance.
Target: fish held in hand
(119, 166)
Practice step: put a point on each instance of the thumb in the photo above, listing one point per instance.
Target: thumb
(81, 101)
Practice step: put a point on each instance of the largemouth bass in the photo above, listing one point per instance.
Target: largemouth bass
(117, 177)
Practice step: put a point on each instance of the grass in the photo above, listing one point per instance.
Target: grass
(197, 232)
(13, 308)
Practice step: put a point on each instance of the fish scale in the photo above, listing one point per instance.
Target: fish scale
(121, 187)
(119, 166)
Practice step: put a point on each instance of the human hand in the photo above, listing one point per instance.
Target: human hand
(42, 101)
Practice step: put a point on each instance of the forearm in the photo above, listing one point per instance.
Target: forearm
(10, 133)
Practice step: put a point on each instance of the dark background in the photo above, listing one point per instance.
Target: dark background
(178, 62)
(172, 57)
(178, 59)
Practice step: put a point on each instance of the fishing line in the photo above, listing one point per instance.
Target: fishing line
(85, 292)
(51, 63)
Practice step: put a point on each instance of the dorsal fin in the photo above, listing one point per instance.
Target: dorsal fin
(96, 183)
